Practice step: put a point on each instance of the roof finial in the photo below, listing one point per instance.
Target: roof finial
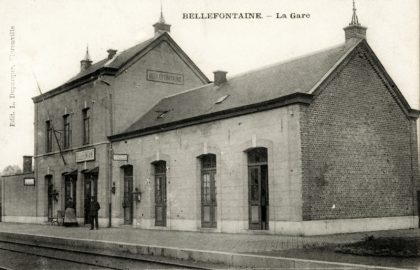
(161, 19)
(87, 56)
(354, 19)
(161, 26)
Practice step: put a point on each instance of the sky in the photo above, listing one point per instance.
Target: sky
(46, 39)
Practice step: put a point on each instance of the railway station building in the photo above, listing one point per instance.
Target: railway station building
(321, 144)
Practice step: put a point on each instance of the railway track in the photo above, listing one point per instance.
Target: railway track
(25, 256)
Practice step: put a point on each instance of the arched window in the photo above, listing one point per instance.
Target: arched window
(258, 188)
(208, 191)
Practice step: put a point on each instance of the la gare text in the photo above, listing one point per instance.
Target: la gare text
(243, 15)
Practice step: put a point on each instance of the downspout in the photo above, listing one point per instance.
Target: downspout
(414, 189)
(36, 174)
(110, 153)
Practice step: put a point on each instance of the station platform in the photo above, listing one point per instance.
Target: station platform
(233, 250)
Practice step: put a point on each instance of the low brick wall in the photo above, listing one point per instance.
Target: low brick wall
(18, 201)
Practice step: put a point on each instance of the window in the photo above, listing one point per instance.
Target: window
(160, 193)
(67, 131)
(208, 191)
(86, 125)
(49, 133)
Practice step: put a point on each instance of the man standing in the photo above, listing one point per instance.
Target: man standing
(94, 208)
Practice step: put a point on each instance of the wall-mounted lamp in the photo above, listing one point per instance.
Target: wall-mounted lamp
(55, 194)
(113, 188)
(137, 194)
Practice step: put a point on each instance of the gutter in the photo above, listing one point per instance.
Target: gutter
(295, 98)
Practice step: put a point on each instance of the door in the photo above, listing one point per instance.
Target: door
(208, 191)
(70, 188)
(128, 195)
(418, 206)
(258, 189)
(90, 189)
(50, 198)
(160, 193)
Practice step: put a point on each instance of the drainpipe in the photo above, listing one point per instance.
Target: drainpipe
(110, 153)
(110, 186)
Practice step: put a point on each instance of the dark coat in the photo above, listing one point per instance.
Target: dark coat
(70, 204)
(94, 208)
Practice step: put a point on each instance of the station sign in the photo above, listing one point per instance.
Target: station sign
(165, 77)
(120, 157)
(85, 155)
(29, 181)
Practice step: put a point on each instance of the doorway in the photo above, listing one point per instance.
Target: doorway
(50, 198)
(70, 188)
(208, 191)
(160, 193)
(258, 189)
(418, 206)
(128, 195)
(90, 190)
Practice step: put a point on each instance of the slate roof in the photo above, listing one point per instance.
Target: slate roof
(299, 75)
(116, 62)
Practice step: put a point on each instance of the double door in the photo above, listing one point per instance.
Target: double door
(128, 195)
(208, 198)
(258, 197)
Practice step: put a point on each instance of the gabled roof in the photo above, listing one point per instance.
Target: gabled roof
(118, 63)
(277, 85)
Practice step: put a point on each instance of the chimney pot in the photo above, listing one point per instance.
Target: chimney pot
(111, 53)
(27, 164)
(219, 77)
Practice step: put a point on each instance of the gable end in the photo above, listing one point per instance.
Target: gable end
(363, 50)
(165, 37)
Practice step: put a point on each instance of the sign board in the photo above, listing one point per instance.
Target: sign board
(165, 77)
(85, 155)
(120, 157)
(29, 181)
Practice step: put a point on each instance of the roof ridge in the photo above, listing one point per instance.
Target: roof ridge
(239, 75)
(288, 60)
(186, 91)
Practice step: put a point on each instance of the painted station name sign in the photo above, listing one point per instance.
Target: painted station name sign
(165, 77)
(85, 155)
(29, 181)
(120, 157)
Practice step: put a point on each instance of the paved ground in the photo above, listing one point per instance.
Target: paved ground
(237, 243)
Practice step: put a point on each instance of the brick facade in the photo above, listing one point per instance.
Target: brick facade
(18, 203)
(358, 147)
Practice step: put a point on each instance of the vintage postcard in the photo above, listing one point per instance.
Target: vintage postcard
(209, 134)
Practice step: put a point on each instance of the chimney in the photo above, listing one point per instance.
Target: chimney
(355, 29)
(85, 63)
(219, 77)
(161, 26)
(111, 53)
(27, 164)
